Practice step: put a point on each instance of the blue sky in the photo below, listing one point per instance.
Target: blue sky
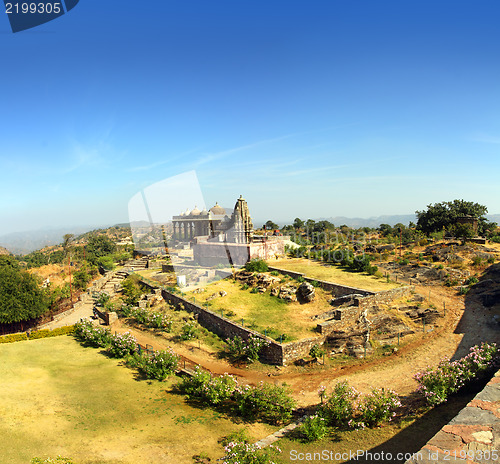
(314, 108)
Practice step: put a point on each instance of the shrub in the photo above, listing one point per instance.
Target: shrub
(45, 333)
(256, 265)
(490, 260)
(316, 351)
(471, 281)
(158, 365)
(338, 408)
(378, 407)
(189, 330)
(271, 403)
(245, 453)
(313, 428)
(274, 273)
(477, 261)
(245, 287)
(13, 338)
(436, 385)
(245, 350)
(121, 345)
(208, 389)
(92, 335)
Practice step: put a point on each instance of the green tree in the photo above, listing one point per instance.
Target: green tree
(270, 225)
(99, 246)
(298, 223)
(444, 215)
(21, 299)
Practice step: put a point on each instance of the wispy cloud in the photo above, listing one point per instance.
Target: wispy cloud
(167, 160)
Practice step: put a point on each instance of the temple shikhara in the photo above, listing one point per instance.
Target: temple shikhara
(219, 237)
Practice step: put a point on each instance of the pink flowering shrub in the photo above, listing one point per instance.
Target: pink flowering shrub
(271, 403)
(379, 406)
(121, 345)
(158, 365)
(346, 408)
(338, 408)
(92, 335)
(436, 385)
(208, 389)
(245, 350)
(313, 428)
(245, 453)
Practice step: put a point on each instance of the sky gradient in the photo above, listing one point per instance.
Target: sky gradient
(308, 109)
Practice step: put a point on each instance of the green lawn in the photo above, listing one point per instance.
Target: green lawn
(335, 274)
(59, 398)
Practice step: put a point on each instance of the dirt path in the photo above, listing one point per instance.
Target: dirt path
(395, 371)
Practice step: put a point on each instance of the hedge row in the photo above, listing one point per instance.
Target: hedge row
(44, 333)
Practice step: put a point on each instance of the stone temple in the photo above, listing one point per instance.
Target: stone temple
(218, 237)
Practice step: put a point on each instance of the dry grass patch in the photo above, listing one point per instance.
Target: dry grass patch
(263, 312)
(333, 274)
(59, 398)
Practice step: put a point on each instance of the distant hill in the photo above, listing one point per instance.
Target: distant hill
(4, 251)
(21, 243)
(372, 221)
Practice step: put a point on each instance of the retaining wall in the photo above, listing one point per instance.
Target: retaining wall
(336, 289)
(472, 436)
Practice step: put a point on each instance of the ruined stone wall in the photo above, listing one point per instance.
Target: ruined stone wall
(225, 328)
(385, 297)
(336, 289)
(300, 349)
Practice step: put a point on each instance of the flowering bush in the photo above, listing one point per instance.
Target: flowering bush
(245, 350)
(154, 319)
(339, 408)
(378, 407)
(449, 376)
(189, 330)
(207, 388)
(314, 428)
(245, 453)
(92, 335)
(158, 365)
(271, 403)
(121, 345)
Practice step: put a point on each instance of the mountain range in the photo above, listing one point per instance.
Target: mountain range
(24, 242)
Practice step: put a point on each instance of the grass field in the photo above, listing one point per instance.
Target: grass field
(333, 274)
(59, 398)
(263, 312)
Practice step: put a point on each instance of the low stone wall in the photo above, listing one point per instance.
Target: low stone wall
(274, 353)
(224, 327)
(296, 350)
(336, 289)
(386, 296)
(472, 436)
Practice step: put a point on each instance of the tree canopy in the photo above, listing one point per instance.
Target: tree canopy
(21, 299)
(444, 215)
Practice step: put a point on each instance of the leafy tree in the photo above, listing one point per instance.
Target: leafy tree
(67, 239)
(99, 246)
(270, 225)
(298, 223)
(443, 215)
(21, 299)
(256, 265)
